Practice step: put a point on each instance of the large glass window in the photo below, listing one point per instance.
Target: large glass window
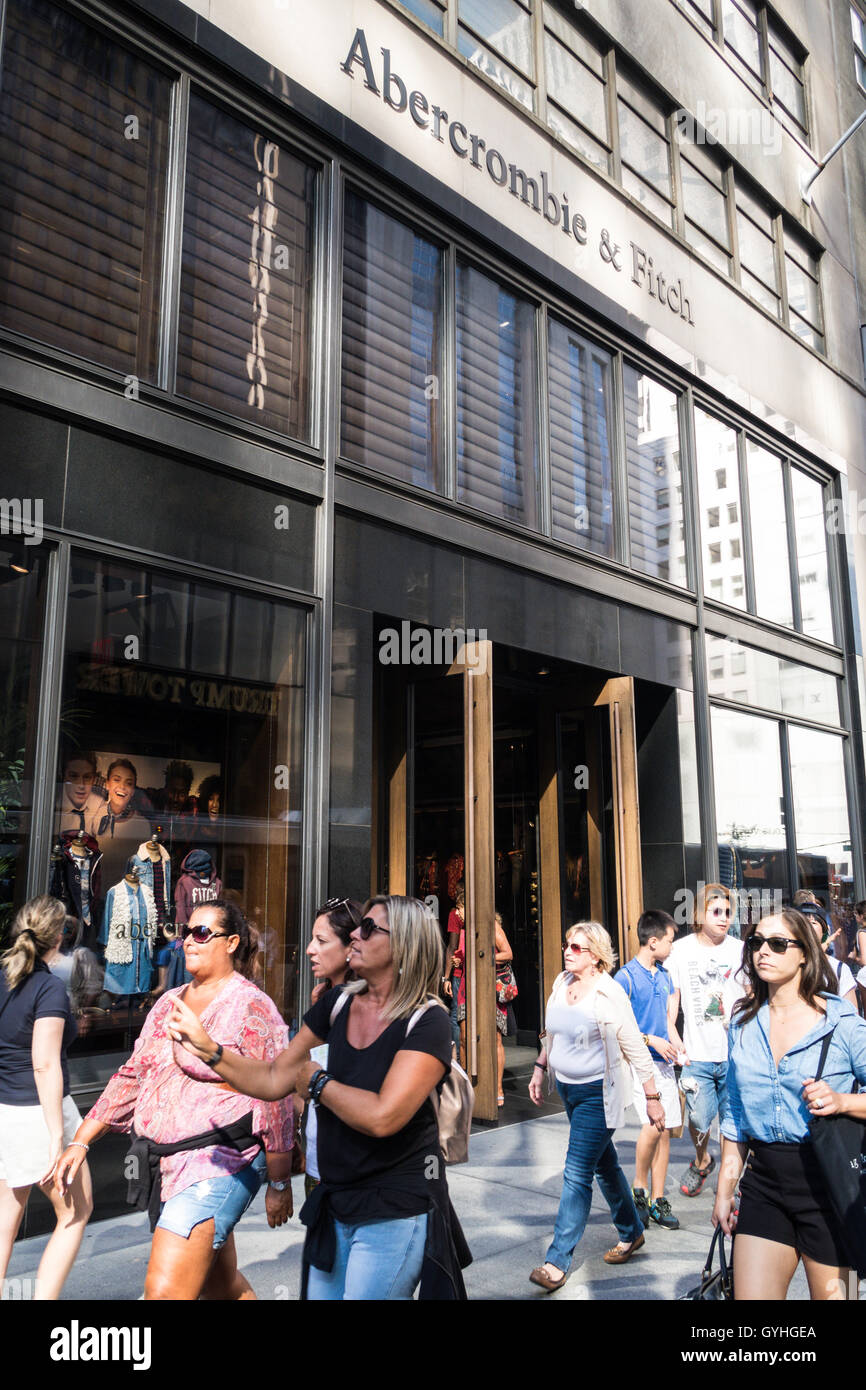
(786, 74)
(753, 677)
(824, 860)
(392, 347)
(430, 11)
(812, 563)
(496, 35)
(655, 479)
(719, 503)
(858, 29)
(770, 546)
(576, 89)
(83, 150)
(581, 406)
(246, 283)
(705, 205)
(22, 604)
(741, 30)
(757, 238)
(180, 780)
(750, 822)
(804, 294)
(497, 407)
(645, 148)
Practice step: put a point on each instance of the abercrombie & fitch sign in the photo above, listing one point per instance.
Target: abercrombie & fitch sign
(533, 190)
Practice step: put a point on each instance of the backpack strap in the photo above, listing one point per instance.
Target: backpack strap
(432, 1002)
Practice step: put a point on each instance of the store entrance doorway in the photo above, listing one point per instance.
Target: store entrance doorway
(514, 780)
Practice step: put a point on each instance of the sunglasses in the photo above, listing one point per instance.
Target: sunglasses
(576, 949)
(201, 935)
(779, 944)
(367, 926)
(333, 903)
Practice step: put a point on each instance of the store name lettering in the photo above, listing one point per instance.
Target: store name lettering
(532, 192)
(176, 690)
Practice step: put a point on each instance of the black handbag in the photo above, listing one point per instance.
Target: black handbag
(715, 1285)
(839, 1145)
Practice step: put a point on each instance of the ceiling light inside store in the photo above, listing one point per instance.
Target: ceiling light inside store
(19, 562)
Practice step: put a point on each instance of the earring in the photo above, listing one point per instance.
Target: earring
(348, 958)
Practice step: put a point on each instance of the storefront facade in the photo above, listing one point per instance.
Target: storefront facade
(421, 447)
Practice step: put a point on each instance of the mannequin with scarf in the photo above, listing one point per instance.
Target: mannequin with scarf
(128, 933)
(153, 863)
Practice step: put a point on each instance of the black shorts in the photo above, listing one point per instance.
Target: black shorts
(783, 1197)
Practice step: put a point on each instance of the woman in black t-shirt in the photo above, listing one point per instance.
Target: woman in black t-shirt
(37, 1114)
(380, 1221)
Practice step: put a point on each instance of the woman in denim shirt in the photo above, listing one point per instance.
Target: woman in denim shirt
(774, 1050)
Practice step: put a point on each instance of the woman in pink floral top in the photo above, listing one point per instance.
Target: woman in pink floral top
(197, 1184)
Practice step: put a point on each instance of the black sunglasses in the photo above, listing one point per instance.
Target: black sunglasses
(779, 944)
(367, 926)
(202, 934)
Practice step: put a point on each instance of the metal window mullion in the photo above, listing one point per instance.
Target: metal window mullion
(48, 720)
(730, 190)
(676, 177)
(540, 68)
(450, 383)
(545, 472)
(793, 563)
(621, 518)
(718, 24)
(764, 40)
(781, 271)
(450, 25)
(613, 114)
(691, 495)
(788, 807)
(173, 235)
(746, 523)
(704, 751)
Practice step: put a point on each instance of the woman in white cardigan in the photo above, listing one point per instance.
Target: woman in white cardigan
(591, 1040)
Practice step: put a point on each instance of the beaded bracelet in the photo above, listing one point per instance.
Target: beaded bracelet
(77, 1144)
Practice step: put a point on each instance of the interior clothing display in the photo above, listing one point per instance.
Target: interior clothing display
(127, 933)
(119, 838)
(197, 885)
(454, 875)
(78, 878)
(156, 873)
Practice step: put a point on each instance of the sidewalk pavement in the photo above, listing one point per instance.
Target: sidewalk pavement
(506, 1198)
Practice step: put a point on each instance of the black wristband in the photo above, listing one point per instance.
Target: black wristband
(320, 1081)
(540, 1067)
(215, 1057)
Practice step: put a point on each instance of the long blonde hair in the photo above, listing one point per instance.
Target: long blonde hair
(36, 930)
(416, 954)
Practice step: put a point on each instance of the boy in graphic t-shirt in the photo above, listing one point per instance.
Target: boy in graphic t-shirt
(705, 969)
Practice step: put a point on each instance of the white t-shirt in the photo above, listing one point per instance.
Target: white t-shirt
(320, 1056)
(709, 986)
(842, 972)
(577, 1055)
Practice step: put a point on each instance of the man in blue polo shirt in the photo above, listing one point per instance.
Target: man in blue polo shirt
(649, 988)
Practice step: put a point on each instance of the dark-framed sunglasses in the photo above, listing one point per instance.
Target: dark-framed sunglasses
(201, 935)
(779, 944)
(367, 926)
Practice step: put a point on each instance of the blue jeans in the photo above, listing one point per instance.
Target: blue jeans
(379, 1260)
(705, 1086)
(455, 1023)
(590, 1154)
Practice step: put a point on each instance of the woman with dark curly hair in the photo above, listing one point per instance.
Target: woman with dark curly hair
(790, 1018)
(201, 1149)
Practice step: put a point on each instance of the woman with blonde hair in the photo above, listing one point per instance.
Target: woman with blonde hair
(37, 1113)
(380, 1220)
(590, 1040)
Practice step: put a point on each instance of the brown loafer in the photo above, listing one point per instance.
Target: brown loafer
(618, 1256)
(544, 1281)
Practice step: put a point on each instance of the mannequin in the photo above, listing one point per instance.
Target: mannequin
(197, 885)
(127, 933)
(81, 878)
(153, 863)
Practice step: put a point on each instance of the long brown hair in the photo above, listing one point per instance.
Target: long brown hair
(816, 977)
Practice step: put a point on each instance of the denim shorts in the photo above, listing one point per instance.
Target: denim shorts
(225, 1199)
(705, 1085)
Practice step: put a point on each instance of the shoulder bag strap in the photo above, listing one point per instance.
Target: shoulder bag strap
(339, 1002)
(825, 1048)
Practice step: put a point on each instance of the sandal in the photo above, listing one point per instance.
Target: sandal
(500, 1100)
